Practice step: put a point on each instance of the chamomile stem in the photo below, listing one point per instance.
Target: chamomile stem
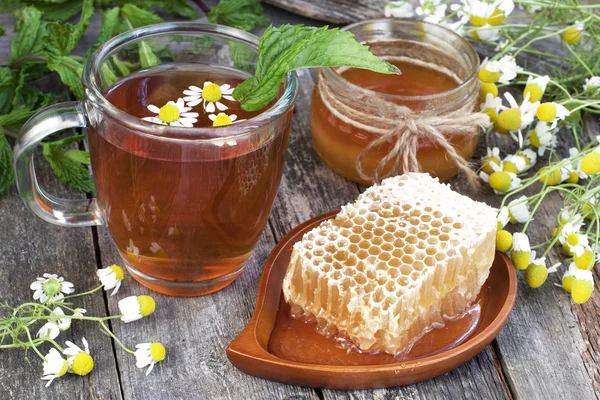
(583, 64)
(112, 335)
(84, 293)
(34, 347)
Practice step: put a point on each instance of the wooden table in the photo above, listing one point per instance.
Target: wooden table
(549, 348)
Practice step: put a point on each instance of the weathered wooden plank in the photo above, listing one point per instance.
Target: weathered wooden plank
(310, 188)
(29, 248)
(335, 11)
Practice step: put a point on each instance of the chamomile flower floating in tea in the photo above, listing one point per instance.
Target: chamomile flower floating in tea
(173, 114)
(111, 278)
(50, 287)
(148, 354)
(222, 119)
(209, 95)
(54, 366)
(80, 362)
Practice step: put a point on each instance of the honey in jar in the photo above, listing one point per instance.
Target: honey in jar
(437, 76)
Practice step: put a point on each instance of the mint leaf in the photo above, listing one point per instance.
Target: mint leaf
(147, 57)
(7, 177)
(139, 17)
(110, 23)
(68, 165)
(70, 72)
(291, 47)
(241, 55)
(8, 83)
(58, 11)
(62, 37)
(31, 32)
(241, 14)
(16, 117)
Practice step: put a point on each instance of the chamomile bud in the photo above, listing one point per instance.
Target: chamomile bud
(551, 177)
(582, 286)
(572, 35)
(591, 163)
(521, 251)
(504, 240)
(536, 272)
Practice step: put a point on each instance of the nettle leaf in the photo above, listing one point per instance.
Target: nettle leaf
(289, 47)
(241, 14)
(30, 36)
(62, 37)
(70, 72)
(110, 24)
(7, 177)
(69, 165)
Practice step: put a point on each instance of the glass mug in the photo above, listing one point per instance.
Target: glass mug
(184, 206)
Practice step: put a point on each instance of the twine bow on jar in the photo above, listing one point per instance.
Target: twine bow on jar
(404, 128)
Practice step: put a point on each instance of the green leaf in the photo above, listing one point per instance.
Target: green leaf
(7, 177)
(108, 75)
(110, 24)
(8, 6)
(241, 14)
(62, 11)
(242, 56)
(8, 85)
(291, 47)
(68, 165)
(2, 30)
(147, 57)
(30, 37)
(139, 17)
(62, 37)
(70, 72)
(16, 117)
(125, 68)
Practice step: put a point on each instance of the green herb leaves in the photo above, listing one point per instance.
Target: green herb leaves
(69, 165)
(7, 177)
(290, 47)
(241, 14)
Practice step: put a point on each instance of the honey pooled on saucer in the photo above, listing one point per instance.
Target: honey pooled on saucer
(390, 266)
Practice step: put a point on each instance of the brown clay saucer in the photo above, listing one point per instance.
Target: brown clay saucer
(251, 353)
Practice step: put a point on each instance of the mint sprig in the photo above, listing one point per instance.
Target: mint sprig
(290, 47)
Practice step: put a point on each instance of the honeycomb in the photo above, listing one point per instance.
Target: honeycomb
(391, 266)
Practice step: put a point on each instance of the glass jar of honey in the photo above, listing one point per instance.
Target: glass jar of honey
(353, 110)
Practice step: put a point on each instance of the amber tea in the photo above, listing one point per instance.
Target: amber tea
(181, 211)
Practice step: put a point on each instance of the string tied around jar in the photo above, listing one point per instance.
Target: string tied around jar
(404, 128)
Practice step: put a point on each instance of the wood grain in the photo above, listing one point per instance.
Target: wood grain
(334, 11)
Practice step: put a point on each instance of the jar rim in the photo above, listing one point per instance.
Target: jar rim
(147, 129)
(430, 28)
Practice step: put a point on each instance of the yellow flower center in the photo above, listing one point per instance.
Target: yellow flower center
(83, 364)
(573, 239)
(546, 112)
(486, 88)
(591, 163)
(534, 139)
(581, 290)
(571, 35)
(168, 113)
(211, 92)
(500, 181)
(535, 92)
(520, 259)
(487, 76)
(492, 113)
(147, 305)
(497, 17)
(486, 164)
(536, 275)
(157, 352)
(585, 260)
(573, 177)
(567, 283)
(550, 178)
(63, 370)
(508, 120)
(509, 166)
(222, 120)
(118, 272)
(503, 240)
(478, 21)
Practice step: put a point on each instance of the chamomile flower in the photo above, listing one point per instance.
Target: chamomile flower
(173, 114)
(209, 95)
(536, 272)
(582, 285)
(487, 88)
(572, 240)
(222, 119)
(491, 106)
(572, 35)
(54, 366)
(529, 156)
(49, 330)
(569, 277)
(62, 323)
(399, 9)
(503, 217)
(136, 307)
(480, 12)
(575, 172)
(149, 354)
(515, 118)
(521, 251)
(111, 277)
(431, 10)
(592, 85)
(457, 27)
(542, 138)
(586, 259)
(486, 33)
(552, 113)
(590, 164)
(50, 288)
(80, 362)
(501, 181)
(518, 210)
(513, 163)
(536, 87)
(492, 157)
(489, 71)
(553, 176)
(569, 216)
(508, 68)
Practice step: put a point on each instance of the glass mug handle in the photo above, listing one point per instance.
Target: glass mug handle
(64, 212)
